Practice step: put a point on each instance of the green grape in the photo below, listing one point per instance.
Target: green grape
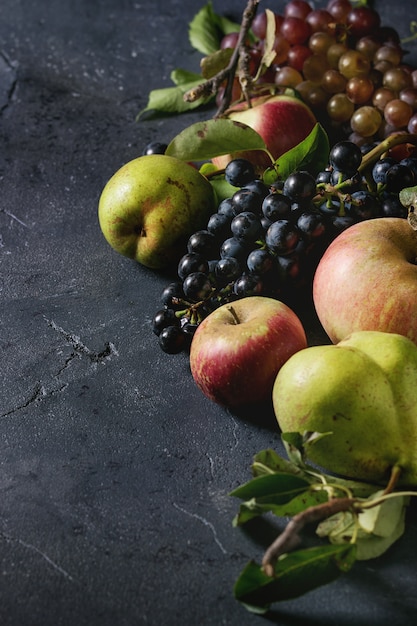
(409, 95)
(334, 53)
(320, 42)
(397, 79)
(366, 121)
(359, 89)
(381, 97)
(412, 124)
(340, 108)
(333, 82)
(397, 113)
(313, 94)
(354, 63)
(314, 67)
(392, 54)
(287, 76)
(368, 46)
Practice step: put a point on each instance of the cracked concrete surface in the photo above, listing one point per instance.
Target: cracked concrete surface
(81, 349)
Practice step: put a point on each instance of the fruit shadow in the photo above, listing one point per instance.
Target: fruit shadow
(303, 306)
(260, 414)
(360, 578)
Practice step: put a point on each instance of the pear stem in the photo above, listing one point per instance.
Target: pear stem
(392, 483)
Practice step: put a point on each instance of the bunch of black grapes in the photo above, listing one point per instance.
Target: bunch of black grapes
(268, 239)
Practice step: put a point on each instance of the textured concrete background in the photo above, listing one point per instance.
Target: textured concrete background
(114, 469)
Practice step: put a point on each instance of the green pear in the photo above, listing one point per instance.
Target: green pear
(361, 394)
(151, 205)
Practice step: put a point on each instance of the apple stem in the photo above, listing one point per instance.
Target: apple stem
(234, 314)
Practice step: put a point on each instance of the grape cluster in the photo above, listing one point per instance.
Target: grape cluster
(344, 64)
(268, 240)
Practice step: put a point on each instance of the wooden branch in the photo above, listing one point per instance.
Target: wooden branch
(212, 85)
(290, 537)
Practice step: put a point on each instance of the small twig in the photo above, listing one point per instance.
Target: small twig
(246, 80)
(211, 86)
(290, 537)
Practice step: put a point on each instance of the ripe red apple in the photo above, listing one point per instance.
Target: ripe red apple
(282, 122)
(239, 348)
(367, 280)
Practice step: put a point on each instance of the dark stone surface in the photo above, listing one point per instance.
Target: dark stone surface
(114, 469)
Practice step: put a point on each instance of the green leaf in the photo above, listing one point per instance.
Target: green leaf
(171, 99)
(357, 489)
(268, 462)
(207, 29)
(293, 443)
(204, 30)
(295, 573)
(278, 488)
(311, 154)
(214, 137)
(229, 26)
(222, 188)
(408, 197)
(249, 510)
(258, 506)
(184, 78)
(374, 529)
(215, 63)
(382, 519)
(374, 545)
(269, 53)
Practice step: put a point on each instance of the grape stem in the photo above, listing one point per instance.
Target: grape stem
(384, 146)
(239, 57)
(413, 30)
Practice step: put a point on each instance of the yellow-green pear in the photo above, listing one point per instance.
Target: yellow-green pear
(151, 205)
(363, 393)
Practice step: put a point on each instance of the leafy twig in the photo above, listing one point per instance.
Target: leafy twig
(290, 537)
(238, 58)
